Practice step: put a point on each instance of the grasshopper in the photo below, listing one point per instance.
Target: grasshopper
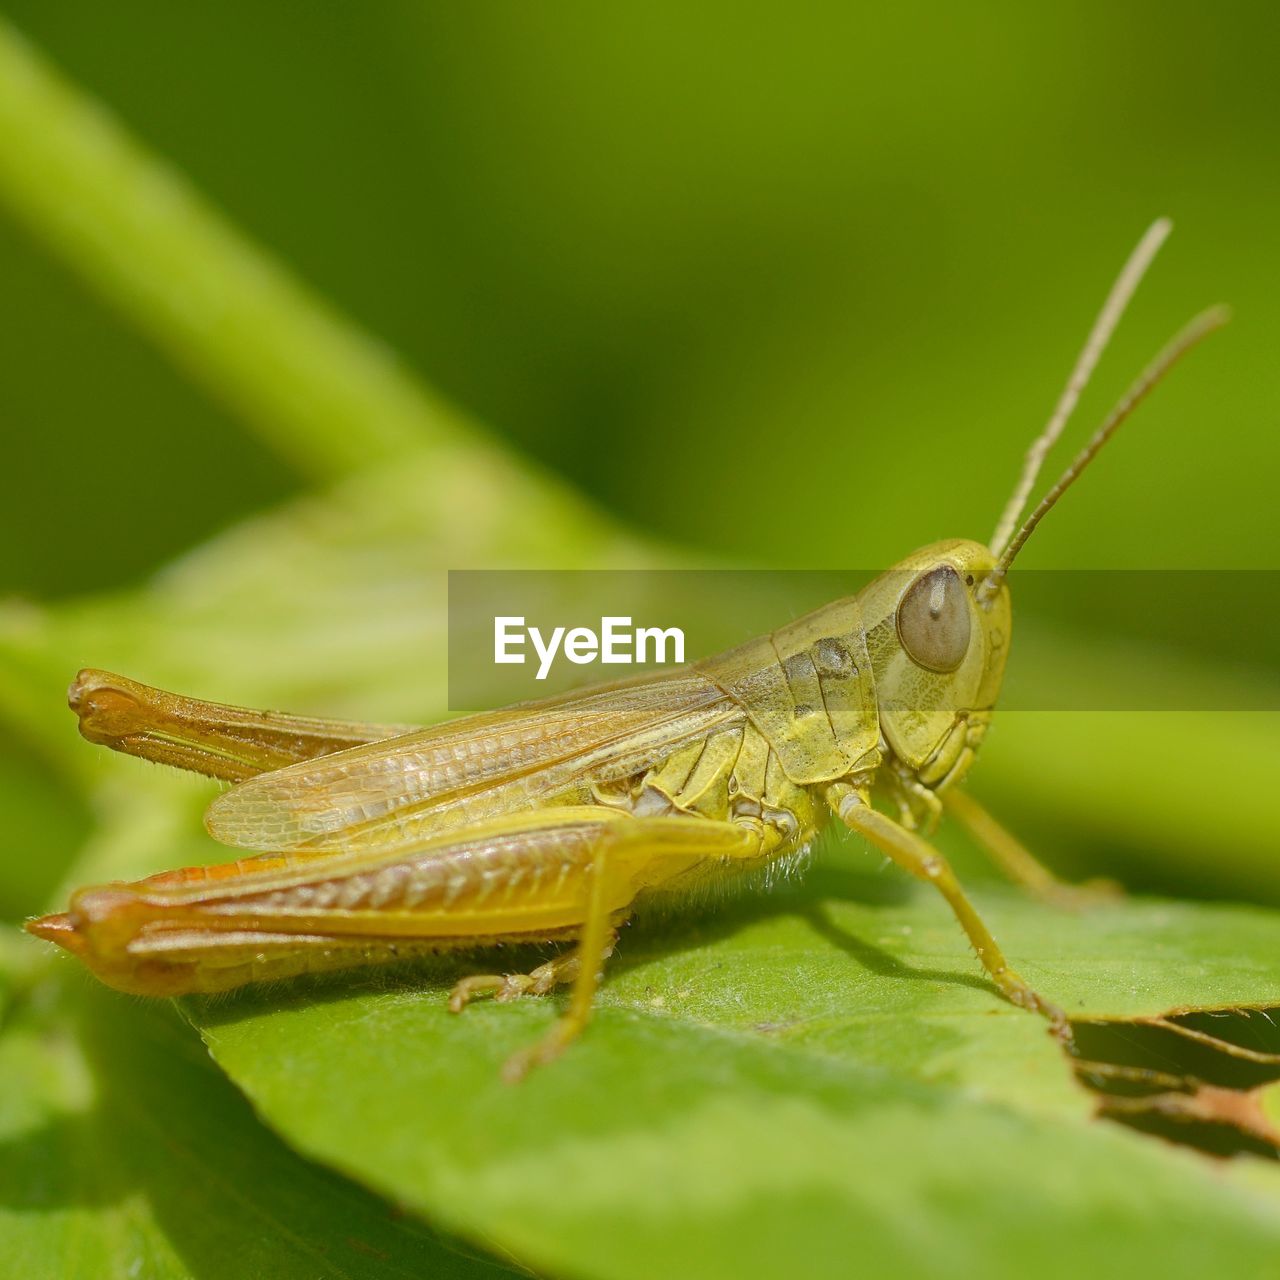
(549, 821)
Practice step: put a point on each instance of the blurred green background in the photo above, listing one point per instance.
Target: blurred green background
(793, 284)
(787, 286)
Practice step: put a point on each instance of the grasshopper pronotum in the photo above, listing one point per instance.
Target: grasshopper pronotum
(547, 821)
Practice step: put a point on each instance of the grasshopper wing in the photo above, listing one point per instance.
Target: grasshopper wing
(395, 792)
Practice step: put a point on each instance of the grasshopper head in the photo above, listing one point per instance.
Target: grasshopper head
(938, 624)
(938, 641)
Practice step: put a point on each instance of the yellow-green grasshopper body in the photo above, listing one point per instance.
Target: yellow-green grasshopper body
(551, 820)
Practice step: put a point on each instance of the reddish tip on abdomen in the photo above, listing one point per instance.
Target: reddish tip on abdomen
(59, 928)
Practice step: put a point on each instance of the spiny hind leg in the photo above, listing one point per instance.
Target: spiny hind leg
(919, 858)
(1018, 862)
(541, 981)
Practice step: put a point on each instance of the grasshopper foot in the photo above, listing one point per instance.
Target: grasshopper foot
(1016, 991)
(505, 987)
(538, 982)
(550, 1047)
(511, 986)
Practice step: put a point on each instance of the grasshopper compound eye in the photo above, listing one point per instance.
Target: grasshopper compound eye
(933, 620)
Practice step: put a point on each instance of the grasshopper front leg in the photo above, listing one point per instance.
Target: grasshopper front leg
(924, 862)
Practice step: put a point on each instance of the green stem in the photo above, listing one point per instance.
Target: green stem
(318, 390)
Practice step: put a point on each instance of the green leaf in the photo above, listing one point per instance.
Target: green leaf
(123, 1152)
(46, 822)
(816, 1077)
(813, 1074)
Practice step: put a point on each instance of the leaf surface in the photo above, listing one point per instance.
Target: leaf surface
(124, 1152)
(819, 1072)
(823, 1077)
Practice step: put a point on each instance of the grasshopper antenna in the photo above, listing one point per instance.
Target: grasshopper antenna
(1190, 336)
(1103, 327)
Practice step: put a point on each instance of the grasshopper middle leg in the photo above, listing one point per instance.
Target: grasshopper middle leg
(629, 854)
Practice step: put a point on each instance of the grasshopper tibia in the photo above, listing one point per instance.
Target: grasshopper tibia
(627, 853)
